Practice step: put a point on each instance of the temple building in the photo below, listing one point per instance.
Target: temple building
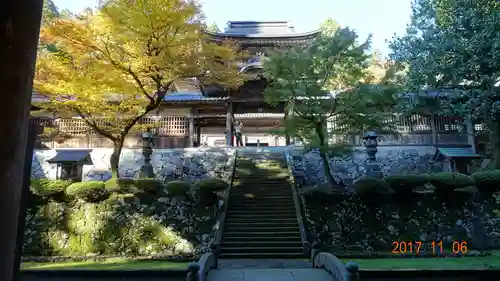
(190, 116)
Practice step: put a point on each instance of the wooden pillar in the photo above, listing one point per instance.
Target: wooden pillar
(198, 134)
(433, 129)
(33, 130)
(229, 124)
(471, 140)
(19, 29)
(288, 115)
(191, 130)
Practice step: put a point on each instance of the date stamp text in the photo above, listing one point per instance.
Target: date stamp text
(434, 247)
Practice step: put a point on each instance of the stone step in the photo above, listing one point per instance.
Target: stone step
(259, 202)
(249, 215)
(260, 219)
(265, 223)
(275, 249)
(261, 193)
(255, 186)
(252, 198)
(268, 181)
(265, 206)
(263, 190)
(269, 209)
(243, 244)
(276, 238)
(262, 255)
(288, 211)
(240, 196)
(265, 234)
(264, 178)
(268, 228)
(273, 198)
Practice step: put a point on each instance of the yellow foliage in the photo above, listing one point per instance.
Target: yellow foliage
(118, 63)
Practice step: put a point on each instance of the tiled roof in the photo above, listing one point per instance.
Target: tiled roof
(190, 96)
(81, 156)
(261, 29)
(458, 152)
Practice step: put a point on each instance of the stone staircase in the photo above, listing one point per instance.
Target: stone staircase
(261, 221)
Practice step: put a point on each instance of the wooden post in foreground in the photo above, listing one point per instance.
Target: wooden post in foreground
(19, 29)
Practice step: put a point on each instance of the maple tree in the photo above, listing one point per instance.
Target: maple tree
(114, 66)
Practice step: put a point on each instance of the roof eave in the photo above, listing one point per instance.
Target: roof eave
(295, 36)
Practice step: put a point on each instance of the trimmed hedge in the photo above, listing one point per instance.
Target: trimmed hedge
(149, 185)
(449, 181)
(177, 188)
(406, 183)
(90, 191)
(212, 185)
(121, 185)
(369, 186)
(487, 181)
(46, 187)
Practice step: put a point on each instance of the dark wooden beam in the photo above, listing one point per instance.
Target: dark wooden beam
(19, 29)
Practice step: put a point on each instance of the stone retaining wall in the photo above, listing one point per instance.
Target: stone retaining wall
(169, 164)
(393, 160)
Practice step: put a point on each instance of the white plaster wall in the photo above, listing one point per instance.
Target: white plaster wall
(197, 163)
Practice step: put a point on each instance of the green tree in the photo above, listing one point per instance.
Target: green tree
(454, 47)
(325, 81)
(213, 27)
(49, 11)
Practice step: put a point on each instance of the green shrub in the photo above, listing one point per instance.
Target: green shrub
(213, 185)
(46, 187)
(322, 188)
(449, 181)
(121, 185)
(368, 186)
(487, 181)
(177, 188)
(88, 190)
(149, 185)
(406, 183)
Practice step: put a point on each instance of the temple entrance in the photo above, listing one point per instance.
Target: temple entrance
(255, 130)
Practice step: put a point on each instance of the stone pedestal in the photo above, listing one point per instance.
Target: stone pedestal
(372, 169)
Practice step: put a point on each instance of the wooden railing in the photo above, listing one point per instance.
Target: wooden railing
(299, 208)
(221, 219)
(415, 129)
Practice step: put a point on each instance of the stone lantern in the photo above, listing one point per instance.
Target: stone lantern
(372, 167)
(370, 141)
(148, 142)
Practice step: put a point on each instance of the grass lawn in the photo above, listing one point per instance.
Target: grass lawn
(111, 264)
(489, 262)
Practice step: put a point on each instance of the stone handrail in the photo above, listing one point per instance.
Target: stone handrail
(199, 271)
(219, 225)
(336, 268)
(299, 208)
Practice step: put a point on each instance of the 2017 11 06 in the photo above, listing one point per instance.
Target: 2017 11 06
(435, 247)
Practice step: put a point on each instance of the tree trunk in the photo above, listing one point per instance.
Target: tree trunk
(115, 156)
(494, 143)
(323, 146)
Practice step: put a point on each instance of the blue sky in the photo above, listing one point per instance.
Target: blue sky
(382, 18)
